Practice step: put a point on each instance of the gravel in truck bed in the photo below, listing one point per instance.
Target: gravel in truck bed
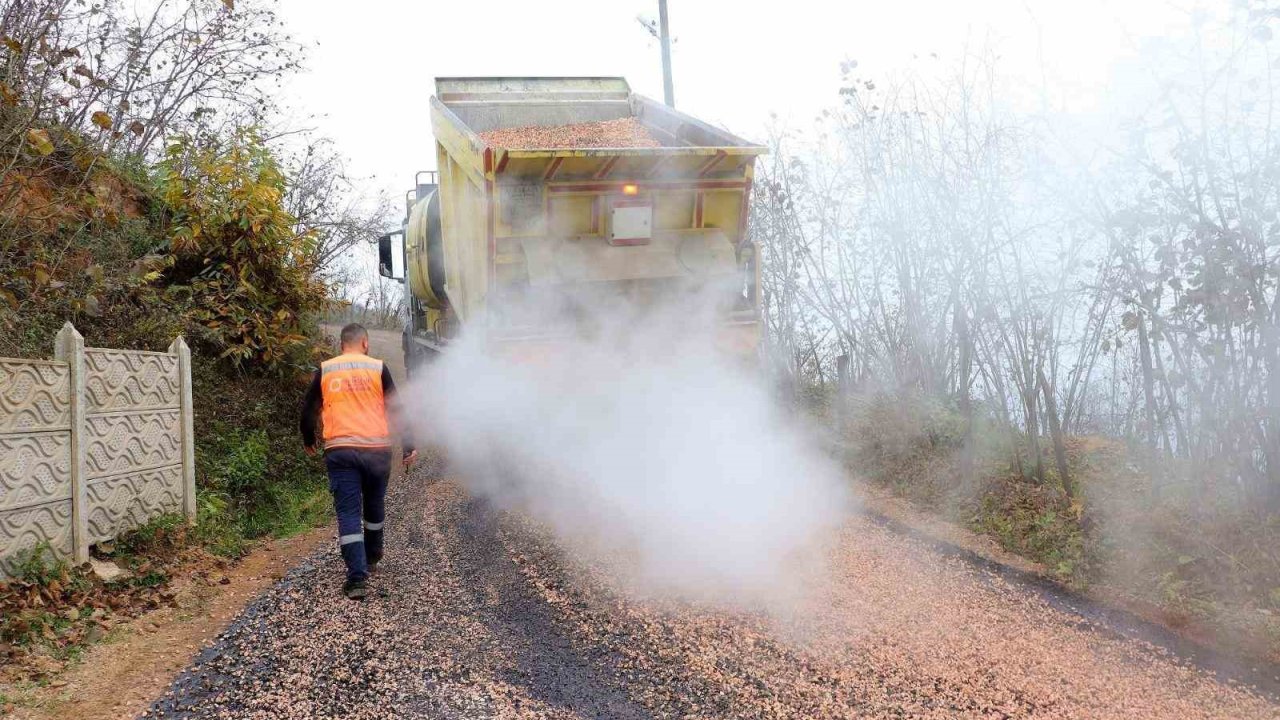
(623, 133)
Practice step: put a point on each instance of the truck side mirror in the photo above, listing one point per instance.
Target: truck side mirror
(386, 258)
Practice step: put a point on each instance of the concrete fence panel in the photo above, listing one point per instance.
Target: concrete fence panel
(92, 444)
(35, 456)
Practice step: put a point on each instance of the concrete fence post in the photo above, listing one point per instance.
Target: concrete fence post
(69, 348)
(183, 353)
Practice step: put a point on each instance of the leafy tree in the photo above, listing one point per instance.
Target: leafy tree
(247, 274)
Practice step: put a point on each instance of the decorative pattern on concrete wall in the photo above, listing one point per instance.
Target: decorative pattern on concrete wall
(25, 528)
(34, 469)
(35, 456)
(118, 443)
(123, 502)
(121, 380)
(34, 395)
(92, 444)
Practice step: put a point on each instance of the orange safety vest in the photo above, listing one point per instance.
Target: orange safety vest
(354, 411)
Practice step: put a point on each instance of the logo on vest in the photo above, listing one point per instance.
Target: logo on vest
(355, 383)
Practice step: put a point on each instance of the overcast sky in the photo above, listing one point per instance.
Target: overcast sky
(371, 63)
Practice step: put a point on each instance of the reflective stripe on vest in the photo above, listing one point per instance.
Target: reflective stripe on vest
(353, 410)
(332, 366)
(355, 441)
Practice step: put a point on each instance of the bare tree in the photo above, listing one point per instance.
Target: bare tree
(324, 199)
(951, 249)
(129, 78)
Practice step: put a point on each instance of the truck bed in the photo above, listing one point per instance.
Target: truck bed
(479, 106)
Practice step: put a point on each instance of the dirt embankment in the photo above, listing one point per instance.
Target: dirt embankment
(43, 198)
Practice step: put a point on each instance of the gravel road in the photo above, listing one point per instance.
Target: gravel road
(477, 613)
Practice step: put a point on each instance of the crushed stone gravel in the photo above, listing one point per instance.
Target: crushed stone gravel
(478, 613)
(622, 133)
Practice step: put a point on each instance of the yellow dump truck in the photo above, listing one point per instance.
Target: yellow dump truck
(509, 233)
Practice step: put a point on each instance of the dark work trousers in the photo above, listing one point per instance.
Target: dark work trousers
(358, 481)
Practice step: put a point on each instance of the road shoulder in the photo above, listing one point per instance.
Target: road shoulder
(1101, 607)
(123, 675)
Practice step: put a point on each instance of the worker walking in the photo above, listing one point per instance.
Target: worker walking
(352, 392)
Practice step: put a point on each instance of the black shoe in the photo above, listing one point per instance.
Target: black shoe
(355, 589)
(373, 568)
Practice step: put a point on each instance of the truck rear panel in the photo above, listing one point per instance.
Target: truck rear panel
(568, 217)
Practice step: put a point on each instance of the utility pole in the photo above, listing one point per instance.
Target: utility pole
(668, 92)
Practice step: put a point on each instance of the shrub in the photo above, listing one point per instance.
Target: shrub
(248, 284)
(244, 467)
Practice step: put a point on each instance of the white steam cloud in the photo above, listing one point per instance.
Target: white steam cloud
(641, 441)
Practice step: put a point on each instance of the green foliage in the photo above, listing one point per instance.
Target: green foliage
(244, 467)
(160, 534)
(1029, 521)
(253, 480)
(218, 526)
(38, 566)
(255, 485)
(248, 282)
(72, 230)
(909, 443)
(200, 245)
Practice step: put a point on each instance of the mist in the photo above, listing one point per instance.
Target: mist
(640, 442)
(1057, 326)
(1060, 328)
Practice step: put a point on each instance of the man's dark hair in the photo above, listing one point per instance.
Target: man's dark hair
(353, 334)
